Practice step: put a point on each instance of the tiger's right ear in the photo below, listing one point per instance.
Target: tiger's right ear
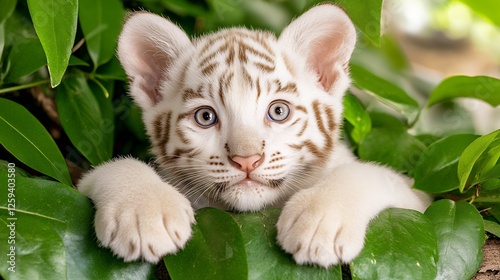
(147, 46)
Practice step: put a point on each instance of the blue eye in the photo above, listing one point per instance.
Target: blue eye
(205, 117)
(278, 111)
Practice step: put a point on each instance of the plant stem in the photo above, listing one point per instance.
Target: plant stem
(24, 86)
(487, 199)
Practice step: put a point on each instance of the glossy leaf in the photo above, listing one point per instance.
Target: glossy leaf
(25, 58)
(55, 237)
(480, 87)
(436, 171)
(492, 227)
(6, 11)
(493, 173)
(460, 233)
(385, 91)
(400, 244)
(112, 70)
(8, 7)
(470, 157)
(393, 147)
(45, 249)
(101, 22)
(82, 119)
(366, 15)
(133, 121)
(356, 115)
(185, 7)
(215, 251)
(239, 246)
(75, 61)
(101, 94)
(26, 138)
(55, 25)
(265, 258)
(486, 8)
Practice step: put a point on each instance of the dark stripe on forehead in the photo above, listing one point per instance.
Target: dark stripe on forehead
(257, 83)
(207, 59)
(289, 87)
(224, 85)
(190, 93)
(207, 70)
(247, 77)
(265, 68)
(247, 48)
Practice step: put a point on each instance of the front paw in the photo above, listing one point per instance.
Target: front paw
(316, 229)
(147, 225)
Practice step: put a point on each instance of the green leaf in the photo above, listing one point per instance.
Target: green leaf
(486, 162)
(385, 91)
(480, 87)
(75, 61)
(391, 146)
(2, 46)
(101, 21)
(25, 138)
(436, 171)
(55, 24)
(492, 227)
(25, 58)
(460, 233)
(239, 246)
(356, 115)
(493, 173)
(112, 70)
(366, 15)
(470, 157)
(486, 8)
(400, 244)
(82, 119)
(8, 7)
(134, 123)
(265, 258)
(54, 235)
(184, 8)
(101, 93)
(215, 251)
(49, 249)
(224, 13)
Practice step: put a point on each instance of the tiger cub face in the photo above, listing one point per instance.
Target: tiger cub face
(240, 118)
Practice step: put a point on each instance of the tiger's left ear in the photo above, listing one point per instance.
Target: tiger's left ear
(326, 37)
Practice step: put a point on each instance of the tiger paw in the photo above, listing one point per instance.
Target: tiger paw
(147, 226)
(317, 230)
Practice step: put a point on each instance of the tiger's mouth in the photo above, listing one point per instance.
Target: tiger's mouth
(250, 194)
(249, 182)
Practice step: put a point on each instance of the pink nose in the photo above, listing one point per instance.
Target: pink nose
(247, 164)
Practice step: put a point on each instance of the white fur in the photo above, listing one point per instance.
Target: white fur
(326, 224)
(138, 215)
(326, 211)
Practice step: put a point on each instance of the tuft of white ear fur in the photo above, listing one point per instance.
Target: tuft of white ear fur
(325, 36)
(147, 46)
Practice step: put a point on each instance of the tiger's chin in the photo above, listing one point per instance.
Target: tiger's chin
(250, 195)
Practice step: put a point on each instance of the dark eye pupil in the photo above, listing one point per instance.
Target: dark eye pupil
(279, 110)
(207, 116)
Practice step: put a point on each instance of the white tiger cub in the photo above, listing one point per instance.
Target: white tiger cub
(242, 120)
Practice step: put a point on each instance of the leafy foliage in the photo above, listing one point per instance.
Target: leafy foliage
(62, 54)
(55, 236)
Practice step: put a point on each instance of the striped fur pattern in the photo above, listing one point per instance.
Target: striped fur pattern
(239, 73)
(242, 120)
